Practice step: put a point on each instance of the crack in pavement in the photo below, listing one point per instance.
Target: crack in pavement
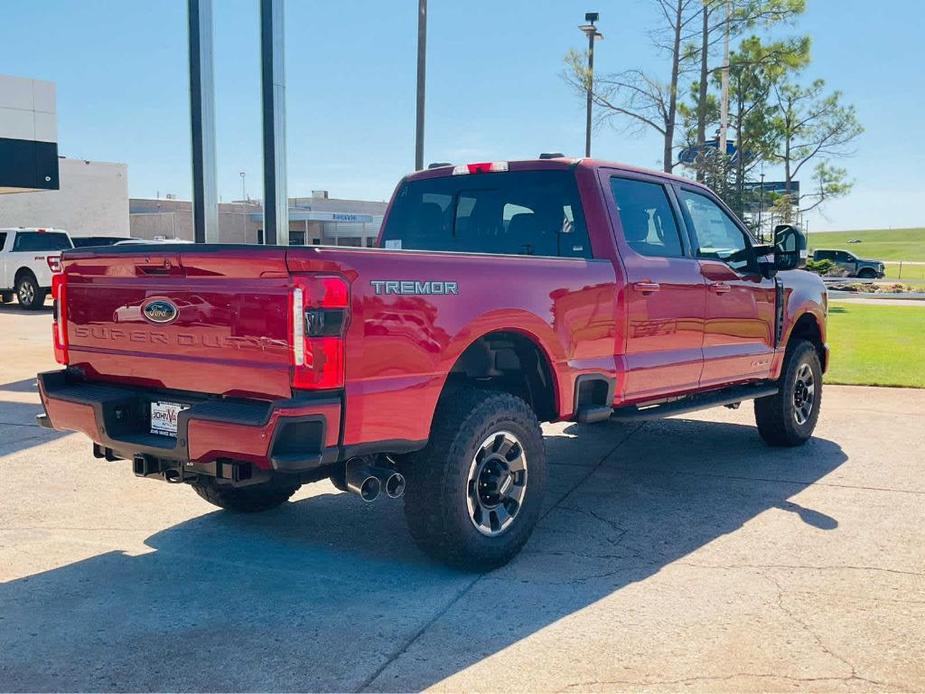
(816, 637)
(720, 678)
(395, 655)
(801, 483)
(808, 567)
(620, 530)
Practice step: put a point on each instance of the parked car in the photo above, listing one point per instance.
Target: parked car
(505, 295)
(87, 241)
(28, 258)
(156, 240)
(856, 267)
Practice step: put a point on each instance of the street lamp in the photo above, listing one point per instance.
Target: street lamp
(243, 175)
(422, 68)
(761, 208)
(592, 33)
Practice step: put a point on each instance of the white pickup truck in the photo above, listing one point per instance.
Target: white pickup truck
(28, 259)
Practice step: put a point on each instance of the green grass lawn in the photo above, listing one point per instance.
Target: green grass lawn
(876, 345)
(879, 244)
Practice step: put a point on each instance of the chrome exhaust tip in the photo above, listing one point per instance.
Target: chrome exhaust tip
(395, 485)
(392, 481)
(362, 481)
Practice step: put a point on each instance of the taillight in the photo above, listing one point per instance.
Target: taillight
(317, 322)
(54, 263)
(59, 321)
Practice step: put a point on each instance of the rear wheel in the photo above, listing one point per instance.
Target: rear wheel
(789, 417)
(30, 296)
(474, 493)
(260, 497)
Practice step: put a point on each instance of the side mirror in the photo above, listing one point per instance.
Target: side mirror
(789, 247)
(765, 259)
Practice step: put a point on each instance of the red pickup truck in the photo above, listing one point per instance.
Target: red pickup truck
(503, 294)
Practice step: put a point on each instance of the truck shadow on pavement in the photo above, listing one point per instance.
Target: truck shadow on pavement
(329, 594)
(15, 308)
(18, 427)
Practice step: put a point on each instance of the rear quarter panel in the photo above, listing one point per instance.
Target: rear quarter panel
(401, 347)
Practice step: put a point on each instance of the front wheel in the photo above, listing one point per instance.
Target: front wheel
(254, 499)
(475, 491)
(867, 274)
(789, 417)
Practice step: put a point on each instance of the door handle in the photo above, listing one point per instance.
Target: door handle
(646, 287)
(720, 287)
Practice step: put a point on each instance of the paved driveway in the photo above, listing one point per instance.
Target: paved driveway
(680, 554)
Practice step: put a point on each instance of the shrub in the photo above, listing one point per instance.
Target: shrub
(820, 267)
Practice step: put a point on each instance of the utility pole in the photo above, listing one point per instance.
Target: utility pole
(422, 68)
(724, 96)
(592, 33)
(202, 122)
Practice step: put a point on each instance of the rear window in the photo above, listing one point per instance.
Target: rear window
(41, 241)
(519, 212)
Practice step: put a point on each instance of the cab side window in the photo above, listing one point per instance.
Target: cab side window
(2, 239)
(714, 234)
(647, 219)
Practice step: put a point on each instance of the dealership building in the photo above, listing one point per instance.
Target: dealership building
(40, 188)
(316, 220)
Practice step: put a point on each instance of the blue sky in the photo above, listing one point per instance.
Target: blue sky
(494, 89)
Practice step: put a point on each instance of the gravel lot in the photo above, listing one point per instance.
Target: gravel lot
(676, 555)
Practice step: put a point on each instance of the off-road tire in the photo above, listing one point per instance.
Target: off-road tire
(437, 479)
(260, 497)
(28, 293)
(777, 423)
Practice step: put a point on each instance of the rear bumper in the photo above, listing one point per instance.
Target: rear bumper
(289, 436)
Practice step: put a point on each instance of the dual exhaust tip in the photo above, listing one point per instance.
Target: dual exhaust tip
(369, 481)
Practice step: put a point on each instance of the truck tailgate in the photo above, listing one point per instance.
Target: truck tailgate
(209, 320)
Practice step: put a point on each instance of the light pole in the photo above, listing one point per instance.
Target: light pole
(243, 175)
(761, 208)
(592, 33)
(422, 66)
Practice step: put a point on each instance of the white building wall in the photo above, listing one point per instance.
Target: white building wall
(92, 201)
(28, 135)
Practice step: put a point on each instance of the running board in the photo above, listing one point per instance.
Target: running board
(726, 396)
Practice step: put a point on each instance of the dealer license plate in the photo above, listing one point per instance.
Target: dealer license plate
(164, 417)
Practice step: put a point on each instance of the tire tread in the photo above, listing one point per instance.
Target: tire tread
(435, 471)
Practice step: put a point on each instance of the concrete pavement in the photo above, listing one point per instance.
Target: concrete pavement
(681, 554)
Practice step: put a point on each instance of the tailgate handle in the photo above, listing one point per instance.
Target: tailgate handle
(164, 268)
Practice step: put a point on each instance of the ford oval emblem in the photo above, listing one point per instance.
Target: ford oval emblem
(160, 311)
